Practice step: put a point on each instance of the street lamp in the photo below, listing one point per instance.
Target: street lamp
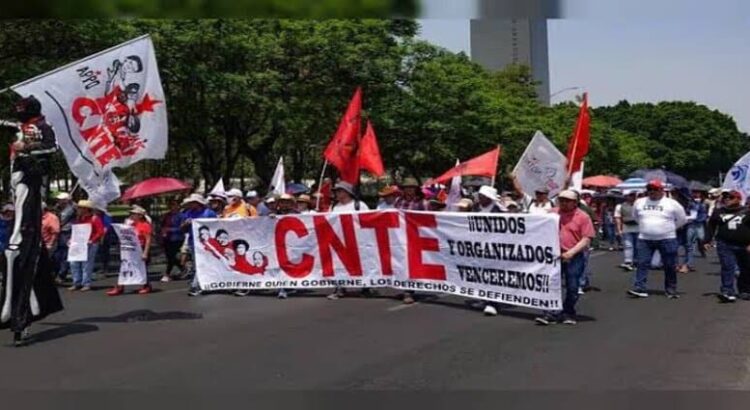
(564, 90)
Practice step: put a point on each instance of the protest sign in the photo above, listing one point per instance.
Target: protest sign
(542, 166)
(132, 266)
(507, 258)
(79, 243)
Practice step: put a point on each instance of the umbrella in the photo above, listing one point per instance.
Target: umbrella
(153, 187)
(662, 175)
(699, 186)
(632, 183)
(601, 181)
(296, 189)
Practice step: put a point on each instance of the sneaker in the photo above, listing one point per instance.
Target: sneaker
(624, 266)
(336, 295)
(744, 296)
(569, 320)
(242, 293)
(166, 279)
(116, 291)
(581, 291)
(74, 288)
(282, 294)
(725, 298)
(85, 289)
(546, 320)
(637, 293)
(21, 338)
(195, 292)
(490, 310)
(408, 299)
(672, 295)
(145, 290)
(59, 281)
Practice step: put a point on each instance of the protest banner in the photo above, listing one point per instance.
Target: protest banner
(79, 243)
(132, 266)
(737, 177)
(542, 165)
(507, 258)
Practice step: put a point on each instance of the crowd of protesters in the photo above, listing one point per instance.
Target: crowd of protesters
(654, 228)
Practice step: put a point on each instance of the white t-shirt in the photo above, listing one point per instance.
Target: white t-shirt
(533, 208)
(660, 219)
(625, 227)
(340, 209)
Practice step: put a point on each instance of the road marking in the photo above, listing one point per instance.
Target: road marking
(401, 307)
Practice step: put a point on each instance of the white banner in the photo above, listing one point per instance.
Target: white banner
(542, 165)
(737, 177)
(278, 182)
(507, 258)
(78, 250)
(133, 269)
(108, 110)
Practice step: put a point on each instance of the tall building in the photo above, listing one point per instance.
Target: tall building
(497, 43)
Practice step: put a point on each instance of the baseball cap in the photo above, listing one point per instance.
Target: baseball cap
(488, 192)
(655, 184)
(234, 193)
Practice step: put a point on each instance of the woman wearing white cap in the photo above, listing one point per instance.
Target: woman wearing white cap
(143, 230)
(237, 208)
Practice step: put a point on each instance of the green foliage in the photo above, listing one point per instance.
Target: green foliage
(211, 8)
(243, 92)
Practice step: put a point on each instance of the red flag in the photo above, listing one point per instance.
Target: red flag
(342, 150)
(369, 153)
(578, 146)
(484, 165)
(323, 200)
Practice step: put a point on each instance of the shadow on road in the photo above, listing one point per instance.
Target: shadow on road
(62, 330)
(142, 315)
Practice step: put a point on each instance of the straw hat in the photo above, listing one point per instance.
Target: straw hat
(388, 191)
(198, 198)
(304, 198)
(85, 203)
(410, 182)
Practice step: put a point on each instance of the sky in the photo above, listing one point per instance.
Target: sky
(614, 52)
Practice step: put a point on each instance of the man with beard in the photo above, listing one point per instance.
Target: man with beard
(28, 292)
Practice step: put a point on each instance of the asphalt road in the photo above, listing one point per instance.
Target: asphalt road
(167, 340)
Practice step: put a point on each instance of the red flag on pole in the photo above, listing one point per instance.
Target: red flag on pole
(578, 146)
(484, 165)
(369, 153)
(342, 150)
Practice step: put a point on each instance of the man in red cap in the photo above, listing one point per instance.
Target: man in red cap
(730, 225)
(658, 219)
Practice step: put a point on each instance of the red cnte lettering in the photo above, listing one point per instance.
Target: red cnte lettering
(381, 222)
(416, 244)
(305, 265)
(347, 251)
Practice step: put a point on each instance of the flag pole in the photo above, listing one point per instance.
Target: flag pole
(320, 185)
(496, 161)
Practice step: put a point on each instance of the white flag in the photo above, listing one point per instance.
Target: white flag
(278, 186)
(455, 192)
(108, 110)
(542, 165)
(576, 180)
(218, 188)
(737, 177)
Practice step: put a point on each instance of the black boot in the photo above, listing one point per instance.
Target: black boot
(21, 338)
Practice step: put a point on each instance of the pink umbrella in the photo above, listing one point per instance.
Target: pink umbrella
(154, 186)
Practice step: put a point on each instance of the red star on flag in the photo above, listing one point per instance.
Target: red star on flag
(146, 105)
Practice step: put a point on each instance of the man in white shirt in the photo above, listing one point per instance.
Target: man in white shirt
(627, 228)
(658, 219)
(346, 202)
(346, 199)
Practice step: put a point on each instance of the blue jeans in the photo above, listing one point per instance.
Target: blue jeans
(629, 242)
(61, 254)
(668, 250)
(82, 272)
(608, 231)
(572, 271)
(585, 280)
(696, 234)
(730, 257)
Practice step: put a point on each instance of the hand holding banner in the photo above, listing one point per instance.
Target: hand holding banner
(133, 269)
(78, 251)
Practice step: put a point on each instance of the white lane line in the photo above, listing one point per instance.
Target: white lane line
(401, 307)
